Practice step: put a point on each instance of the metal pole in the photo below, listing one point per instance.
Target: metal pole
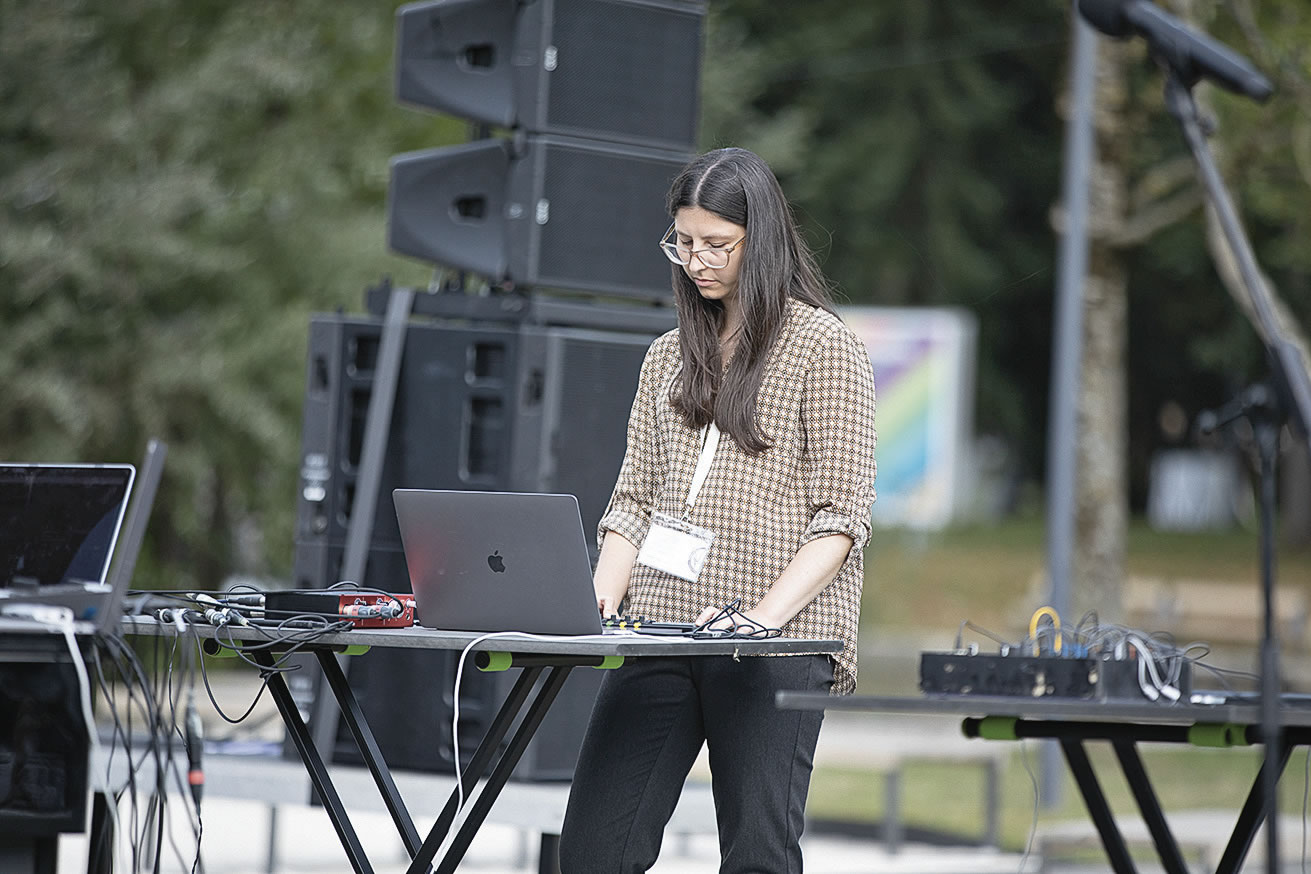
(1067, 347)
(377, 426)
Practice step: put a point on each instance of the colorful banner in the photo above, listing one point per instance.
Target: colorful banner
(924, 376)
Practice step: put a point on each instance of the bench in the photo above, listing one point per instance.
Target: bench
(863, 744)
(1201, 835)
(857, 743)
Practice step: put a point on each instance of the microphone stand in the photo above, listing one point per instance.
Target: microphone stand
(1267, 407)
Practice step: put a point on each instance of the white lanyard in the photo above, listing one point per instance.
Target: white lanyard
(709, 443)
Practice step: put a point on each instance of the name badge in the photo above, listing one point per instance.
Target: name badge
(676, 547)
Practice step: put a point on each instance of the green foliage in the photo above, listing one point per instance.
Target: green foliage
(1189, 342)
(180, 185)
(183, 183)
(920, 144)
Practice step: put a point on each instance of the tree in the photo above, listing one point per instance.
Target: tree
(918, 142)
(180, 184)
(1202, 347)
(1101, 489)
(1287, 59)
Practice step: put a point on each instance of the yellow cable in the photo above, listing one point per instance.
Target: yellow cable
(1056, 626)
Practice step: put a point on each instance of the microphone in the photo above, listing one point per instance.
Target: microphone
(1191, 54)
(195, 743)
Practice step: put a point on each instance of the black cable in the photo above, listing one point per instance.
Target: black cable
(981, 630)
(292, 639)
(97, 850)
(159, 792)
(170, 769)
(153, 696)
(136, 680)
(356, 587)
(137, 690)
(743, 627)
(223, 714)
(175, 770)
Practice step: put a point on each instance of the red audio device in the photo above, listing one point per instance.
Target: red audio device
(364, 609)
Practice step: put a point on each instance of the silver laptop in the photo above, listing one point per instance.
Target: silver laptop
(497, 561)
(37, 501)
(133, 534)
(59, 524)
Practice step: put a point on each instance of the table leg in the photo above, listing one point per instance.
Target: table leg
(992, 804)
(100, 843)
(477, 766)
(548, 854)
(1250, 818)
(892, 833)
(1098, 809)
(309, 754)
(368, 746)
(29, 855)
(1150, 807)
(504, 766)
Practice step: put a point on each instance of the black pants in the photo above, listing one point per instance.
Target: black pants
(647, 727)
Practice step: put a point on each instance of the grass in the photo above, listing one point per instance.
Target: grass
(922, 585)
(994, 574)
(948, 798)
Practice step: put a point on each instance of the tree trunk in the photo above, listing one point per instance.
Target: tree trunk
(1101, 527)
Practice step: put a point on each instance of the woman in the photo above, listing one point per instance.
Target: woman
(775, 526)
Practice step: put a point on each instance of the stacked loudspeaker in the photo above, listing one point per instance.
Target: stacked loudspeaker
(601, 96)
(597, 100)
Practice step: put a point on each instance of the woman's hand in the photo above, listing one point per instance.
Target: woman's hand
(811, 569)
(608, 605)
(613, 568)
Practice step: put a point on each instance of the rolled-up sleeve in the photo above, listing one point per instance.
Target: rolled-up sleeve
(629, 510)
(838, 418)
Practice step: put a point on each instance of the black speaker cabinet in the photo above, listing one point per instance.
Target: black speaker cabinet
(622, 70)
(546, 211)
(43, 740)
(451, 424)
(491, 407)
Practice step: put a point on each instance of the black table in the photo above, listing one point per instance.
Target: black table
(527, 699)
(1124, 724)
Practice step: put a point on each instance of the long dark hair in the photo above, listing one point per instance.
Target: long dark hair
(738, 186)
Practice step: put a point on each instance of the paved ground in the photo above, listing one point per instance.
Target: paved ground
(236, 841)
(236, 836)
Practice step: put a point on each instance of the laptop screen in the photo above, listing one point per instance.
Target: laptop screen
(58, 523)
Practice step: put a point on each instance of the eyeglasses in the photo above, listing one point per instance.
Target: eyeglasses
(715, 258)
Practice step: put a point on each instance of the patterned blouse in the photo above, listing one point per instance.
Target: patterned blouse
(816, 410)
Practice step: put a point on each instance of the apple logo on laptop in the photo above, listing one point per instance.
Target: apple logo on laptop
(496, 563)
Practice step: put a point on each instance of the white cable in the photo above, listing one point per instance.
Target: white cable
(455, 697)
(1149, 691)
(1146, 658)
(1033, 824)
(61, 619)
